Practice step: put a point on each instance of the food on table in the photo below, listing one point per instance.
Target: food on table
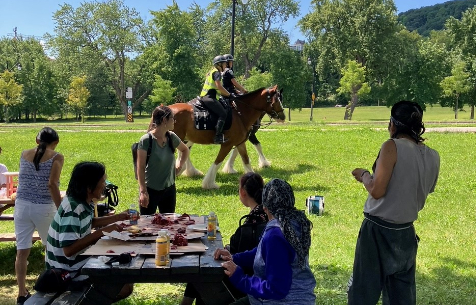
(110, 251)
(134, 229)
(180, 240)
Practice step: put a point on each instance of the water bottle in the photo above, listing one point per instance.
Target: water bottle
(167, 235)
(133, 214)
(212, 226)
(161, 249)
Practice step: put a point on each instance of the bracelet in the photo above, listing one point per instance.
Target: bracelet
(361, 175)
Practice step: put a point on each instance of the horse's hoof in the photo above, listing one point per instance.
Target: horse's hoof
(229, 170)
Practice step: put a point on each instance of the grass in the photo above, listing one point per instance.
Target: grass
(315, 158)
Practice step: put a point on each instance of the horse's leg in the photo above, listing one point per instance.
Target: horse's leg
(244, 157)
(210, 177)
(228, 168)
(189, 170)
(262, 159)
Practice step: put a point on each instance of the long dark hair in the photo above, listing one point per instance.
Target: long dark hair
(407, 117)
(253, 184)
(45, 137)
(160, 114)
(85, 176)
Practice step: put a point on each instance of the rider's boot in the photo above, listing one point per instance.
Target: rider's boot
(219, 136)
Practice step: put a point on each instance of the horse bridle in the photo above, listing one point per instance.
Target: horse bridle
(277, 95)
(269, 100)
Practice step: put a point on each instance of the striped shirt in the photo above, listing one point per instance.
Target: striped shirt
(73, 221)
(33, 184)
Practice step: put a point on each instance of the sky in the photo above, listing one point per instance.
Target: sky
(34, 17)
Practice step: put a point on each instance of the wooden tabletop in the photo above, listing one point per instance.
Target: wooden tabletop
(194, 267)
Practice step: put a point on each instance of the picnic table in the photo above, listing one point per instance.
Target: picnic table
(190, 267)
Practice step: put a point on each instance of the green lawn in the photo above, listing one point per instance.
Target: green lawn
(315, 158)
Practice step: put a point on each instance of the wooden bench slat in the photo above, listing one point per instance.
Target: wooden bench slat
(12, 237)
(6, 217)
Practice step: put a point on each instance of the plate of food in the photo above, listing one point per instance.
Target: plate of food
(202, 227)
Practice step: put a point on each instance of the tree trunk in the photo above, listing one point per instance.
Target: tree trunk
(289, 114)
(456, 108)
(472, 112)
(349, 109)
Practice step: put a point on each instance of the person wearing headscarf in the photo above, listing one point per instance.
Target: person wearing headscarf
(405, 172)
(281, 260)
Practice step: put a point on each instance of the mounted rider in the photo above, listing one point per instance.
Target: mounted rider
(212, 89)
(229, 81)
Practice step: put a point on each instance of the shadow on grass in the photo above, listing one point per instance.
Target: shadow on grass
(229, 182)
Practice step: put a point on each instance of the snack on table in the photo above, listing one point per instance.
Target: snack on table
(134, 229)
(180, 240)
(13, 196)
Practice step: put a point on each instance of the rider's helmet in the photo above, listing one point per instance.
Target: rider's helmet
(218, 59)
(229, 57)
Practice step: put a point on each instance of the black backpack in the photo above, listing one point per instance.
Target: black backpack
(134, 154)
(248, 235)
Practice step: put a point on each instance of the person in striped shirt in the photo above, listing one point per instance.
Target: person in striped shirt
(70, 233)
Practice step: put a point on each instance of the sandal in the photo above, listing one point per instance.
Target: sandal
(22, 299)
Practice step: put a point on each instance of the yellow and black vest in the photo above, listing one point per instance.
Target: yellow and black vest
(210, 84)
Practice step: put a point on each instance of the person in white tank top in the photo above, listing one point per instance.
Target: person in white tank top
(38, 197)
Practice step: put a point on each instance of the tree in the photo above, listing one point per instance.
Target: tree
(78, 96)
(162, 93)
(456, 84)
(257, 80)
(10, 92)
(343, 30)
(174, 52)
(100, 33)
(462, 34)
(353, 83)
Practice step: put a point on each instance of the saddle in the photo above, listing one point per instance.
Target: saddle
(207, 120)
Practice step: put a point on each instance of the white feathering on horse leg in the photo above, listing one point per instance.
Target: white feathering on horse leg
(208, 182)
(190, 170)
(228, 168)
(262, 159)
(247, 168)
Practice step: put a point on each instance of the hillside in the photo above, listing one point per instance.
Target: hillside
(429, 18)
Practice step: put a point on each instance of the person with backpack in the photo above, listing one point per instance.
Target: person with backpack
(246, 237)
(157, 170)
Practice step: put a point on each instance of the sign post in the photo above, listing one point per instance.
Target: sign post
(130, 118)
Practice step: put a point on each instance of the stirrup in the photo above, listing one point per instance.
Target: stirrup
(220, 139)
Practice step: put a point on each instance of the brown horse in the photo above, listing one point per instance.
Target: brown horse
(249, 108)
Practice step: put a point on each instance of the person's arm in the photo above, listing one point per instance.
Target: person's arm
(377, 184)
(53, 183)
(184, 154)
(278, 256)
(222, 89)
(89, 240)
(141, 159)
(103, 221)
(238, 85)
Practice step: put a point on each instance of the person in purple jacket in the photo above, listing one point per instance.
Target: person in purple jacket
(281, 260)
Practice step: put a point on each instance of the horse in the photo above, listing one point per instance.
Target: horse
(262, 161)
(248, 109)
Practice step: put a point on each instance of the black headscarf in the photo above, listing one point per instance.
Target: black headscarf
(278, 198)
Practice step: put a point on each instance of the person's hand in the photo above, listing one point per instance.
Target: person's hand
(144, 199)
(232, 97)
(358, 173)
(112, 227)
(222, 254)
(178, 168)
(125, 215)
(230, 267)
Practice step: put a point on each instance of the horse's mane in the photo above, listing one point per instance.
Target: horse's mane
(255, 92)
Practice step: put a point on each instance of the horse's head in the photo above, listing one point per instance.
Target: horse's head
(274, 107)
